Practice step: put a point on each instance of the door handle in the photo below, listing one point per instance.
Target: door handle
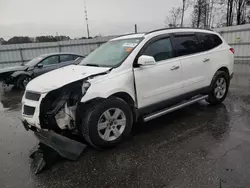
(206, 60)
(175, 67)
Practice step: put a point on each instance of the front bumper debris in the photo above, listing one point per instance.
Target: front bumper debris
(53, 145)
(65, 147)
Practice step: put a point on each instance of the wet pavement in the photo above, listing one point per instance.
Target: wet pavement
(198, 146)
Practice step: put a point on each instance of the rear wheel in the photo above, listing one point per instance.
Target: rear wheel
(22, 82)
(107, 123)
(219, 88)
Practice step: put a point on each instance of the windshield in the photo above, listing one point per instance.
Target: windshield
(111, 54)
(34, 61)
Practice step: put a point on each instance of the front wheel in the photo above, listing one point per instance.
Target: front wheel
(22, 82)
(107, 123)
(219, 88)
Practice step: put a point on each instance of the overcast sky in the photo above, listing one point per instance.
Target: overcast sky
(106, 17)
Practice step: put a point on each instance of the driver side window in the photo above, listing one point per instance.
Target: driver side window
(160, 49)
(50, 61)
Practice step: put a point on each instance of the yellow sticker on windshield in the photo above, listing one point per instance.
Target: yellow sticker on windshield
(129, 49)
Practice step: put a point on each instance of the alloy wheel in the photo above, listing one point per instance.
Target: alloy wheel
(111, 124)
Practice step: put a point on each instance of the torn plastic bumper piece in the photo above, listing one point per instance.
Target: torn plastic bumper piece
(52, 146)
(44, 157)
(65, 147)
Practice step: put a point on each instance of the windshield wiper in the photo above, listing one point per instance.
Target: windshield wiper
(93, 65)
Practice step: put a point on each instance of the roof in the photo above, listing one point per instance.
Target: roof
(178, 29)
(60, 53)
(130, 36)
(163, 31)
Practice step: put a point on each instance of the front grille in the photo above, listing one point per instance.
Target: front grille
(28, 110)
(32, 96)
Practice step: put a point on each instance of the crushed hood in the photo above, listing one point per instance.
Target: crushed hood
(11, 69)
(61, 77)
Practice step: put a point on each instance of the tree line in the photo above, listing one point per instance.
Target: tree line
(25, 39)
(210, 13)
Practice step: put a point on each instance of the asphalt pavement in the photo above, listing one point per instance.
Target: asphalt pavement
(198, 146)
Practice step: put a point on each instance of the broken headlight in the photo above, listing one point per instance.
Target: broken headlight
(85, 87)
(57, 109)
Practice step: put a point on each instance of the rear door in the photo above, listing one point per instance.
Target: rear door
(48, 64)
(195, 64)
(211, 44)
(162, 81)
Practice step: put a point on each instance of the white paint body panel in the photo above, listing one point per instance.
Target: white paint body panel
(60, 77)
(103, 86)
(33, 120)
(155, 83)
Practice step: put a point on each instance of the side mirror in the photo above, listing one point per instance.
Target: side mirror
(39, 65)
(145, 60)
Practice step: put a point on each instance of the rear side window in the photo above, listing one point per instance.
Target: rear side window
(209, 41)
(186, 44)
(64, 58)
(50, 61)
(160, 49)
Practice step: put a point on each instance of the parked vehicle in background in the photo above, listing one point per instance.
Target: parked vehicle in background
(19, 76)
(130, 78)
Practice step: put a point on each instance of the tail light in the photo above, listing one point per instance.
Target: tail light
(232, 50)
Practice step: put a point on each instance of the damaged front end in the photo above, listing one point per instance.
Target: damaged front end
(58, 108)
(57, 134)
(51, 114)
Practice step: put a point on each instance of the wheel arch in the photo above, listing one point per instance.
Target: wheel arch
(129, 100)
(225, 69)
(124, 96)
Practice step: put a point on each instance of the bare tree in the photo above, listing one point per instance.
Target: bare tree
(238, 8)
(199, 15)
(205, 12)
(230, 6)
(173, 20)
(241, 7)
(185, 6)
(218, 14)
(211, 11)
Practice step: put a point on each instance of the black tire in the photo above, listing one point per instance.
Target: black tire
(20, 81)
(212, 98)
(89, 122)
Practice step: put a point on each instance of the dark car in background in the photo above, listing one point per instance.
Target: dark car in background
(19, 76)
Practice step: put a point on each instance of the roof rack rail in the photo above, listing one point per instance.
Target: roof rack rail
(176, 28)
(131, 34)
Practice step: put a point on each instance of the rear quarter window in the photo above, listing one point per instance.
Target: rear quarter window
(66, 57)
(208, 41)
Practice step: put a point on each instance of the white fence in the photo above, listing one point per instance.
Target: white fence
(237, 36)
(17, 54)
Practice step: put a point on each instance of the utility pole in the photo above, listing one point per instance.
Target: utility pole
(135, 28)
(86, 17)
(183, 11)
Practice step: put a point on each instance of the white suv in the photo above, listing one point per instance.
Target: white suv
(138, 76)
